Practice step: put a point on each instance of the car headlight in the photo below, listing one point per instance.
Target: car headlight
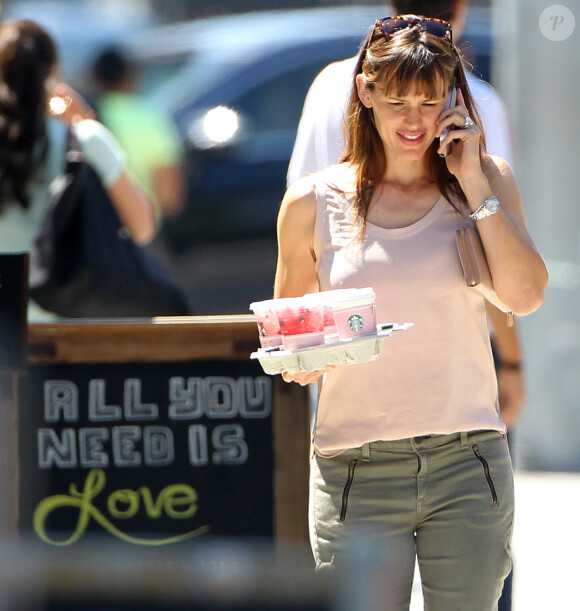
(215, 128)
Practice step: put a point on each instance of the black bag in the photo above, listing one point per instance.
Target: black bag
(84, 264)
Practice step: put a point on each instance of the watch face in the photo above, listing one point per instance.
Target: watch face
(488, 207)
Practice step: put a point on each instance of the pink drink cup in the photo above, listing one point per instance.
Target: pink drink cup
(267, 320)
(301, 323)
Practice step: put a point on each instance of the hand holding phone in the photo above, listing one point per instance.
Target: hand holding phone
(450, 102)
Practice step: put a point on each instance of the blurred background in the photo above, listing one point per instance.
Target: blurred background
(232, 76)
(234, 84)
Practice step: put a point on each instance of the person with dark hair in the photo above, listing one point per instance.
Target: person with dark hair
(111, 70)
(410, 448)
(30, 93)
(147, 135)
(25, 69)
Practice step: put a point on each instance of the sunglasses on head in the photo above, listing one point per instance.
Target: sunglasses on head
(391, 25)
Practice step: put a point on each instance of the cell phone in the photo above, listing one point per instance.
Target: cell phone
(450, 102)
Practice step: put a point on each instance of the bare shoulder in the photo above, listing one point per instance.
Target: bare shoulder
(297, 214)
(303, 187)
(300, 197)
(301, 194)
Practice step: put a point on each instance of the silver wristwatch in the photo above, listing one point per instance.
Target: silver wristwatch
(488, 207)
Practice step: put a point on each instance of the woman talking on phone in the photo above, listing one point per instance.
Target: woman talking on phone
(411, 447)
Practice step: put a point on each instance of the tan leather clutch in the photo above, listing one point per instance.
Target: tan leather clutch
(475, 268)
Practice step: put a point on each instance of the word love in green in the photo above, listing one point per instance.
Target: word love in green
(177, 501)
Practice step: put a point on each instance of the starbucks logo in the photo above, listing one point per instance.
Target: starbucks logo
(355, 322)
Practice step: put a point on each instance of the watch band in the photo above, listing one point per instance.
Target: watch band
(488, 207)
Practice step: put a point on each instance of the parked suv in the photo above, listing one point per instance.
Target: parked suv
(235, 87)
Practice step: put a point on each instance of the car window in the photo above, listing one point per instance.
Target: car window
(277, 103)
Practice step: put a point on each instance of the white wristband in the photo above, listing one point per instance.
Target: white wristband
(100, 149)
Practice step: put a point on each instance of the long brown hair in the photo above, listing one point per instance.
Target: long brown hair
(410, 60)
(27, 58)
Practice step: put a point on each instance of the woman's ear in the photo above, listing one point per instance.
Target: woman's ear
(363, 91)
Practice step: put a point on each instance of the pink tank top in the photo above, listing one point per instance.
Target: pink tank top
(437, 377)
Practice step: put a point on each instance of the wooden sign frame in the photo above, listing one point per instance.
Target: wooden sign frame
(184, 339)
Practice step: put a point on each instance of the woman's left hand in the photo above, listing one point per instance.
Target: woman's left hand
(305, 377)
(463, 140)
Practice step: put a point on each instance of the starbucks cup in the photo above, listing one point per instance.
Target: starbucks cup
(354, 313)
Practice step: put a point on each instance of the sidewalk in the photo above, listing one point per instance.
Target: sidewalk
(546, 544)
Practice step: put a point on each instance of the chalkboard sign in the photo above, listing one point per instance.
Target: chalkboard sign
(147, 453)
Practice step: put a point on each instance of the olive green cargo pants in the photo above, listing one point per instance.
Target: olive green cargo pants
(445, 500)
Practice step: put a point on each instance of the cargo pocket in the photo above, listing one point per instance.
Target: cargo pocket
(347, 486)
(486, 472)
